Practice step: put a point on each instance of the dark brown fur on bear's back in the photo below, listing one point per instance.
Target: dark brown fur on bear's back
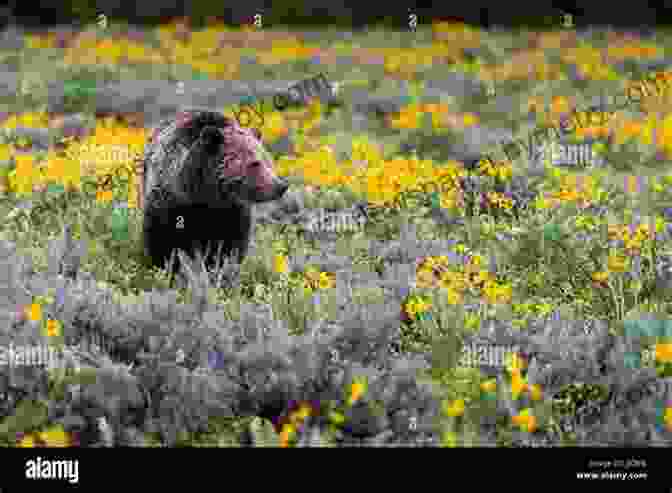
(202, 176)
(198, 228)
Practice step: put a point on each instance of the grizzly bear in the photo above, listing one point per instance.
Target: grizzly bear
(202, 174)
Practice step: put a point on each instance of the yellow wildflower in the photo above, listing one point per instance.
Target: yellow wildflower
(455, 408)
(280, 264)
(104, 196)
(27, 441)
(600, 277)
(525, 420)
(288, 431)
(515, 364)
(668, 417)
(664, 353)
(56, 436)
(53, 328)
(454, 297)
(489, 385)
(617, 263)
(535, 392)
(518, 384)
(357, 390)
(301, 414)
(325, 281)
(34, 312)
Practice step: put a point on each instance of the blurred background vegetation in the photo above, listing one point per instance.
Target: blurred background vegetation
(344, 13)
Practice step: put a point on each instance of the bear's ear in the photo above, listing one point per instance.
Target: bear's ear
(212, 138)
(228, 122)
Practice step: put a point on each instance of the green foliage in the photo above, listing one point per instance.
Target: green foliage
(275, 343)
(28, 416)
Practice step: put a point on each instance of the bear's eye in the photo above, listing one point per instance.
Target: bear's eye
(255, 164)
(227, 159)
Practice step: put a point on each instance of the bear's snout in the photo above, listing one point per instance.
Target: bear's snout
(271, 191)
(265, 185)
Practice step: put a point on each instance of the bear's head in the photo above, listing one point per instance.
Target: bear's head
(232, 162)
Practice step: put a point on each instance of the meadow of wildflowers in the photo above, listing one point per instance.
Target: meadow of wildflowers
(455, 301)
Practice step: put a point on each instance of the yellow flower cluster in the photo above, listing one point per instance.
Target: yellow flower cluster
(581, 190)
(202, 51)
(663, 352)
(634, 238)
(503, 170)
(649, 130)
(34, 313)
(313, 280)
(417, 305)
(623, 51)
(524, 419)
(280, 264)
(616, 263)
(540, 309)
(411, 117)
(284, 51)
(454, 408)
(38, 119)
(499, 201)
(110, 146)
(294, 421)
(496, 293)
(589, 62)
(435, 272)
(367, 174)
(54, 436)
(297, 417)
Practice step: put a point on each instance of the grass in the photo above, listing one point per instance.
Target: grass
(570, 251)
